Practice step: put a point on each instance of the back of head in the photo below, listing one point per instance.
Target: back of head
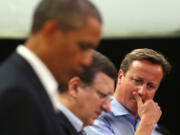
(100, 63)
(146, 54)
(69, 14)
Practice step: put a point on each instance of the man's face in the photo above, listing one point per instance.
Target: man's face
(72, 50)
(95, 98)
(143, 78)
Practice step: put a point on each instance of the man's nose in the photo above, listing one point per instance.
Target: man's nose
(87, 58)
(142, 90)
(106, 106)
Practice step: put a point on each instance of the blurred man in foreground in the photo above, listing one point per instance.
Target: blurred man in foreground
(63, 35)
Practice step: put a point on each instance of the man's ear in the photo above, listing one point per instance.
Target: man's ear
(49, 29)
(120, 75)
(73, 86)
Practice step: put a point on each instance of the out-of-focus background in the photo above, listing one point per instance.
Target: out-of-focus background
(122, 18)
(127, 25)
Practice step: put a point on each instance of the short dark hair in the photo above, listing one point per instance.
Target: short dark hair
(68, 13)
(100, 63)
(146, 54)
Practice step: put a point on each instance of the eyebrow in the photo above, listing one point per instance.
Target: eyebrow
(103, 93)
(152, 83)
(86, 45)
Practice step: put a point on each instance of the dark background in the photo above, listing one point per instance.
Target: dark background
(115, 49)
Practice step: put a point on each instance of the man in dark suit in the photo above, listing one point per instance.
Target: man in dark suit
(63, 34)
(86, 95)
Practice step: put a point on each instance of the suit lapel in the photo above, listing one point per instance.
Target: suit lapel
(66, 124)
(36, 86)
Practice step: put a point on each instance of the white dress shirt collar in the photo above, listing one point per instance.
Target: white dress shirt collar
(45, 76)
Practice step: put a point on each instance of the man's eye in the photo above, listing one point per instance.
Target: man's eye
(137, 81)
(85, 46)
(150, 86)
(102, 95)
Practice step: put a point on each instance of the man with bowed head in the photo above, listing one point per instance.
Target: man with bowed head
(86, 94)
(133, 110)
(63, 35)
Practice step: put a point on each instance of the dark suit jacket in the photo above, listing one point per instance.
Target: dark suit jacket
(67, 127)
(25, 108)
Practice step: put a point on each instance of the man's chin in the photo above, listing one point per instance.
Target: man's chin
(90, 122)
(132, 109)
